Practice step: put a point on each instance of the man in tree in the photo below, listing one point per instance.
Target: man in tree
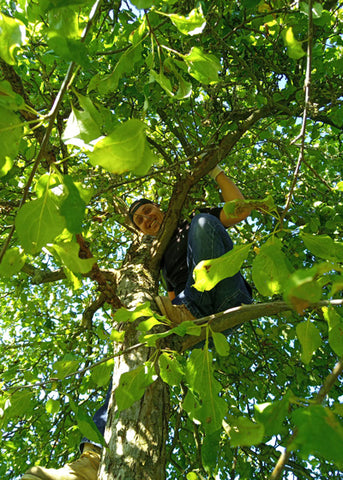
(205, 237)
(202, 239)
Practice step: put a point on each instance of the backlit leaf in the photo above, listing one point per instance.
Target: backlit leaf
(11, 132)
(125, 149)
(72, 207)
(12, 36)
(69, 255)
(133, 384)
(294, 47)
(221, 344)
(192, 24)
(309, 338)
(210, 272)
(202, 66)
(319, 432)
(12, 262)
(171, 370)
(270, 268)
(37, 223)
(335, 323)
(244, 432)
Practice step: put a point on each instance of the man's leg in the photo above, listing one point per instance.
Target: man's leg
(86, 467)
(208, 239)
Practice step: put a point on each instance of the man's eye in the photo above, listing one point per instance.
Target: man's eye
(138, 219)
(147, 210)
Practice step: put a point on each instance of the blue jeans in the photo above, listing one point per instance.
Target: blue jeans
(207, 238)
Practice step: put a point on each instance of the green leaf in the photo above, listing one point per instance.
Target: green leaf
(52, 406)
(221, 344)
(171, 371)
(68, 252)
(301, 289)
(148, 324)
(88, 428)
(72, 207)
(70, 49)
(125, 315)
(202, 66)
(335, 323)
(125, 65)
(244, 432)
(21, 404)
(66, 366)
(272, 415)
(210, 272)
(270, 268)
(309, 338)
(142, 4)
(323, 246)
(125, 149)
(180, 89)
(8, 98)
(193, 24)
(133, 384)
(319, 432)
(12, 36)
(82, 128)
(210, 450)
(212, 408)
(101, 374)
(11, 132)
(38, 222)
(12, 262)
(294, 47)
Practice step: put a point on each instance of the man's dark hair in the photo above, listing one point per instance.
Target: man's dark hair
(135, 206)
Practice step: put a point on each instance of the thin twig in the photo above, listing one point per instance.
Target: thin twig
(302, 134)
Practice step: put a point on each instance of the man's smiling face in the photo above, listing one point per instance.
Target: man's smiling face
(148, 219)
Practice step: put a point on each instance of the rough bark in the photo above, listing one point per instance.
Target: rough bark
(136, 437)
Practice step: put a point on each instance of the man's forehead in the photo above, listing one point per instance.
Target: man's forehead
(142, 208)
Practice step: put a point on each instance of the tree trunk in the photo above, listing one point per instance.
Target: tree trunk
(136, 436)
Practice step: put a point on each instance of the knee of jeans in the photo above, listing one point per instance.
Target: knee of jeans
(202, 223)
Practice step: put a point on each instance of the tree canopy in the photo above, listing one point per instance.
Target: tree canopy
(103, 103)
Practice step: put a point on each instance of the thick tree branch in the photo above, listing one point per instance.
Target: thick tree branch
(233, 317)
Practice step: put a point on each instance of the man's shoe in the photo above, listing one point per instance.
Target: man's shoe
(85, 468)
(176, 313)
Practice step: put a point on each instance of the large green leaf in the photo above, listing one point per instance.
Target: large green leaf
(192, 24)
(335, 324)
(272, 415)
(68, 252)
(294, 47)
(210, 272)
(12, 36)
(109, 83)
(88, 428)
(10, 99)
(323, 246)
(309, 338)
(171, 371)
(270, 268)
(11, 132)
(12, 262)
(211, 409)
(244, 432)
(72, 207)
(319, 432)
(82, 128)
(204, 67)
(37, 223)
(125, 149)
(133, 384)
(302, 289)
